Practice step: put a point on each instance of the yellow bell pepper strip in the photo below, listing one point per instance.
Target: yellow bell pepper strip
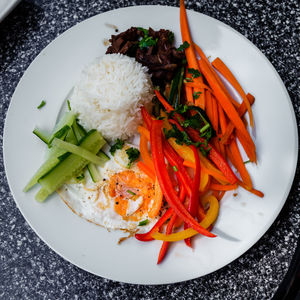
(209, 219)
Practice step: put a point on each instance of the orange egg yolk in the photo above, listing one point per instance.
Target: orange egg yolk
(129, 185)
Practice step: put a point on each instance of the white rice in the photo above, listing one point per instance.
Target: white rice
(109, 95)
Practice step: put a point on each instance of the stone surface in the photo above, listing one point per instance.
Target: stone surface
(30, 270)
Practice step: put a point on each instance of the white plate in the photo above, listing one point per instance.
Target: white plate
(243, 219)
(6, 6)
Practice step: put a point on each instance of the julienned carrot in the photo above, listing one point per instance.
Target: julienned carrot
(220, 187)
(222, 118)
(253, 191)
(204, 58)
(208, 104)
(247, 147)
(241, 111)
(223, 69)
(190, 52)
(144, 131)
(221, 195)
(239, 164)
(215, 120)
(225, 101)
(158, 199)
(146, 170)
(198, 85)
(145, 153)
(189, 94)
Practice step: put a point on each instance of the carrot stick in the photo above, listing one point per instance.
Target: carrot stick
(224, 101)
(144, 131)
(198, 85)
(215, 119)
(220, 187)
(222, 118)
(146, 170)
(221, 195)
(241, 111)
(208, 105)
(189, 94)
(247, 147)
(145, 153)
(237, 161)
(190, 52)
(223, 69)
(253, 191)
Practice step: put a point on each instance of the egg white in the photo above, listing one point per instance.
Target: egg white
(92, 202)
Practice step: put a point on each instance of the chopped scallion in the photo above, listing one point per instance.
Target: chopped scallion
(143, 223)
(43, 103)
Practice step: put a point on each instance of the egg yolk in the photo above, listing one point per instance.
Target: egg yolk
(129, 185)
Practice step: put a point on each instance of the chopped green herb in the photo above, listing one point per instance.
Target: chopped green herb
(43, 103)
(203, 151)
(196, 95)
(187, 80)
(175, 168)
(69, 105)
(195, 73)
(193, 122)
(205, 127)
(118, 145)
(144, 30)
(133, 154)
(147, 42)
(171, 37)
(183, 46)
(205, 142)
(143, 223)
(80, 177)
(160, 118)
(181, 137)
(247, 161)
(130, 192)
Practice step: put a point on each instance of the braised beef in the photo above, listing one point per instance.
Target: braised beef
(151, 48)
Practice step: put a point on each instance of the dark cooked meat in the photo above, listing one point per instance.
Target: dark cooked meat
(153, 49)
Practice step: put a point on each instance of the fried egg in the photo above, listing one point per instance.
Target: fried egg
(120, 200)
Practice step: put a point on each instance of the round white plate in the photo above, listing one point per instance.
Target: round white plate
(243, 219)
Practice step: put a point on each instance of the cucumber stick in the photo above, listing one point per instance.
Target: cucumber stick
(80, 151)
(68, 167)
(94, 173)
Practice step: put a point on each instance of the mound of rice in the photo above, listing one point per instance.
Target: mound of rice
(110, 94)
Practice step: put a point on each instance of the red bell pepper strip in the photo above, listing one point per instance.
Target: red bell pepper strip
(165, 182)
(146, 117)
(146, 237)
(213, 155)
(175, 160)
(164, 246)
(194, 200)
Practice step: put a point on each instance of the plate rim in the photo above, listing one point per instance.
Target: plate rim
(243, 249)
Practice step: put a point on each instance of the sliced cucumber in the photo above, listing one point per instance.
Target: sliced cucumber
(80, 151)
(60, 134)
(67, 120)
(41, 135)
(94, 173)
(70, 166)
(79, 131)
(71, 138)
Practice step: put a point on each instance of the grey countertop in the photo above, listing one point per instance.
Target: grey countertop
(30, 270)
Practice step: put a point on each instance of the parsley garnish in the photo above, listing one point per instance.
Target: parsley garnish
(133, 154)
(187, 79)
(175, 168)
(170, 37)
(195, 73)
(147, 41)
(247, 161)
(118, 145)
(160, 118)
(43, 103)
(144, 30)
(196, 95)
(69, 105)
(183, 46)
(131, 192)
(143, 223)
